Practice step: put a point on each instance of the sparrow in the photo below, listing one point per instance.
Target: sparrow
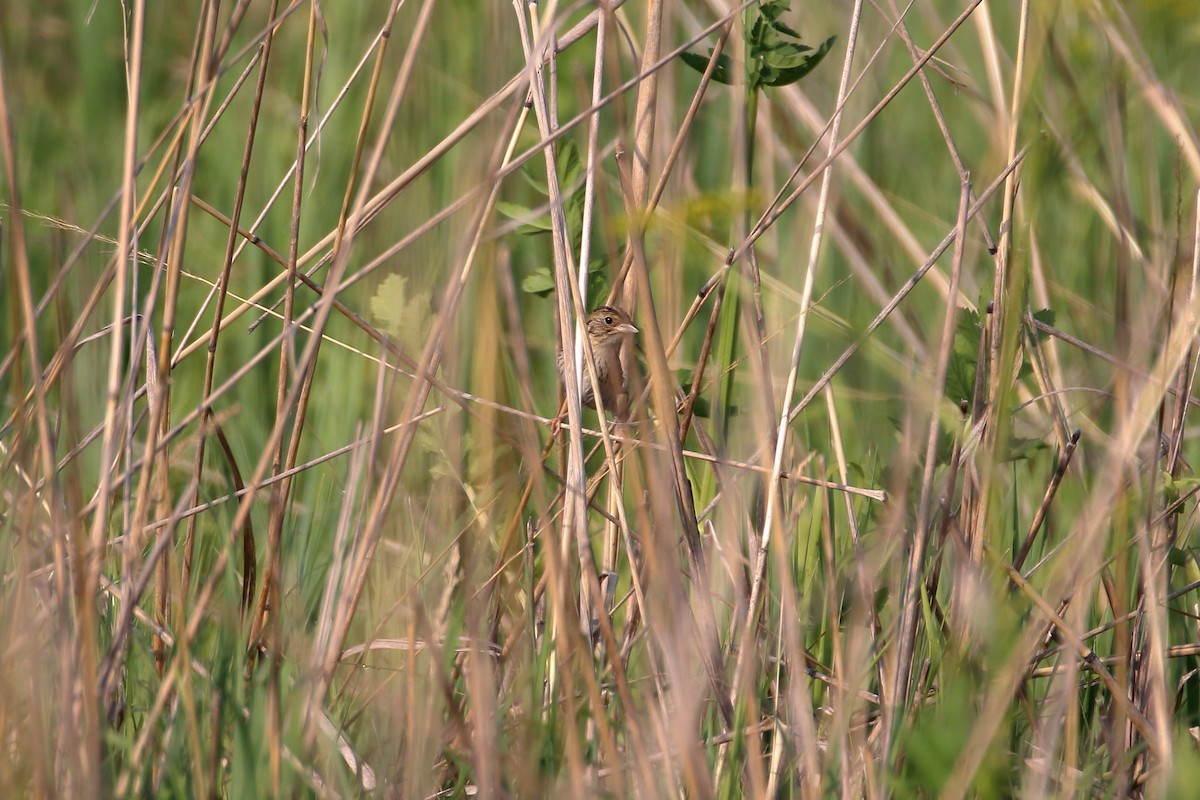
(607, 328)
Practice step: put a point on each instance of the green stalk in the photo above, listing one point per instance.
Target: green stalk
(725, 349)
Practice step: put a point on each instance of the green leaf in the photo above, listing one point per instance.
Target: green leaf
(540, 281)
(1046, 317)
(703, 408)
(573, 212)
(771, 9)
(597, 284)
(787, 55)
(882, 595)
(597, 278)
(1023, 449)
(538, 226)
(513, 210)
(536, 183)
(760, 36)
(784, 29)
(786, 76)
(960, 379)
(401, 312)
(531, 224)
(722, 73)
(1184, 483)
(855, 472)
(569, 165)
(775, 56)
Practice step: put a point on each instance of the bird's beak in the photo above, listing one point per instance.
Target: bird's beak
(626, 327)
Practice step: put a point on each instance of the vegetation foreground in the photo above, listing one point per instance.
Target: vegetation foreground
(891, 491)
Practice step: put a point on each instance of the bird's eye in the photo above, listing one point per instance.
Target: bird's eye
(608, 320)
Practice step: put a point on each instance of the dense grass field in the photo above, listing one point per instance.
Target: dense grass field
(902, 504)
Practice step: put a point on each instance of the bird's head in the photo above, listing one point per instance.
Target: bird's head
(607, 325)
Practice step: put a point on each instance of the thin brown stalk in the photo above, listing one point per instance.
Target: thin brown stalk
(908, 287)
(280, 493)
(592, 597)
(906, 631)
(664, 409)
(935, 108)
(1039, 517)
(305, 363)
(221, 290)
(266, 623)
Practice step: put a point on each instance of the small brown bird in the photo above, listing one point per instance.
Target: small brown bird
(607, 327)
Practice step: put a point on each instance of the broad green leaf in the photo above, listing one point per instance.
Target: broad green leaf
(536, 183)
(793, 74)
(771, 9)
(597, 284)
(569, 165)
(540, 281)
(401, 312)
(530, 223)
(960, 379)
(513, 210)
(787, 56)
(1182, 483)
(722, 73)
